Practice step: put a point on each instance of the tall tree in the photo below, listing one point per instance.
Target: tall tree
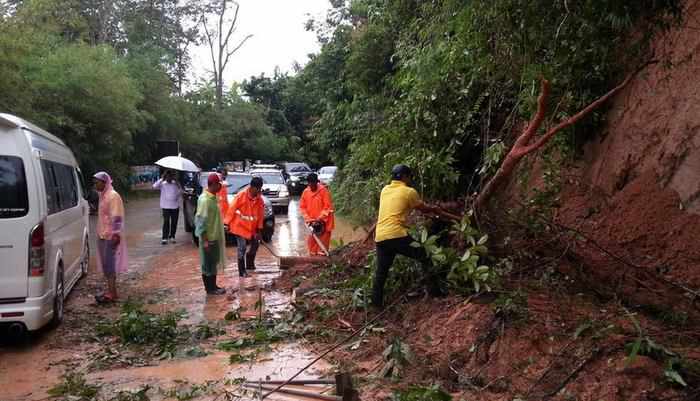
(219, 38)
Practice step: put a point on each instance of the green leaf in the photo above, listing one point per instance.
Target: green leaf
(633, 353)
(483, 239)
(675, 377)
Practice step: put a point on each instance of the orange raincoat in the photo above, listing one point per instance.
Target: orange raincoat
(222, 199)
(245, 215)
(317, 205)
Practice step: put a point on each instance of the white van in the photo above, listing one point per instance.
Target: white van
(44, 228)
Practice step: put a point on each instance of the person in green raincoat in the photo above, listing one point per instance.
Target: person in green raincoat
(210, 231)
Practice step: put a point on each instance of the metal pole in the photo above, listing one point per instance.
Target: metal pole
(309, 394)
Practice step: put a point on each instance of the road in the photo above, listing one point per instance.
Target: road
(165, 278)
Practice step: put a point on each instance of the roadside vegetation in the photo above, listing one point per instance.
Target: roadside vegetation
(111, 81)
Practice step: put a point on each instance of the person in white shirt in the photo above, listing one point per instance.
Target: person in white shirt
(170, 199)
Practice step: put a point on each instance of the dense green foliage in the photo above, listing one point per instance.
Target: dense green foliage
(109, 81)
(442, 85)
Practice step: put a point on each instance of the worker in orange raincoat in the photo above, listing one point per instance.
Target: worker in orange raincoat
(244, 219)
(222, 195)
(317, 209)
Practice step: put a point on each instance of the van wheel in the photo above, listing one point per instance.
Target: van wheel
(59, 296)
(85, 263)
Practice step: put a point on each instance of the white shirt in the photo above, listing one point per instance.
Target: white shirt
(170, 194)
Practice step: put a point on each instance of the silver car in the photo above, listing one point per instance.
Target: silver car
(274, 187)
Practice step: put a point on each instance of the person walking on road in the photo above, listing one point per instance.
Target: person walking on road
(396, 201)
(316, 208)
(170, 199)
(210, 231)
(111, 244)
(244, 219)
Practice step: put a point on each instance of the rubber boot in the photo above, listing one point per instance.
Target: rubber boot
(205, 280)
(241, 267)
(213, 288)
(214, 285)
(249, 262)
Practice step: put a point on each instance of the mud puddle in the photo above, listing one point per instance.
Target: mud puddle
(168, 278)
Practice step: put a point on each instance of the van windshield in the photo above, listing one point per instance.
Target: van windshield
(13, 188)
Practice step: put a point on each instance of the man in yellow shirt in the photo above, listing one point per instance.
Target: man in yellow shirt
(396, 201)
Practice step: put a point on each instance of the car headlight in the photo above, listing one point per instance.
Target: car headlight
(283, 193)
(294, 178)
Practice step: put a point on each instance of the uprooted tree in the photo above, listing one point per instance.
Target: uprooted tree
(528, 143)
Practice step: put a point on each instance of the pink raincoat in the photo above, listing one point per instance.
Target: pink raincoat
(110, 221)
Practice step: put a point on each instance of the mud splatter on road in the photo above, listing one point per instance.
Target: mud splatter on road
(166, 278)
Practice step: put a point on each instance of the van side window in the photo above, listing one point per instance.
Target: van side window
(61, 186)
(67, 187)
(52, 200)
(14, 200)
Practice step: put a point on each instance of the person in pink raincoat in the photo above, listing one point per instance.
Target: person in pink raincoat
(111, 244)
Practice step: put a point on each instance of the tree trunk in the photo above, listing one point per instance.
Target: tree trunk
(527, 143)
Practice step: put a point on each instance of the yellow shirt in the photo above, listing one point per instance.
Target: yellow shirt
(395, 202)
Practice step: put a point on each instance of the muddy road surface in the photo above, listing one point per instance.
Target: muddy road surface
(166, 338)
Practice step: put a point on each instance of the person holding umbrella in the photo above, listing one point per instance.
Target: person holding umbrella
(170, 199)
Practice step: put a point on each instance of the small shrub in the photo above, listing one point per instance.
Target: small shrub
(465, 271)
(75, 385)
(415, 393)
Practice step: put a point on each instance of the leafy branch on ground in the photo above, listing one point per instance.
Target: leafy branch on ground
(160, 334)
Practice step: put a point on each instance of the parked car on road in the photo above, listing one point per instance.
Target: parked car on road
(274, 187)
(326, 174)
(296, 173)
(193, 184)
(44, 228)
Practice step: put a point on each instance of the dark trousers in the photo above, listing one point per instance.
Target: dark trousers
(243, 246)
(386, 252)
(170, 222)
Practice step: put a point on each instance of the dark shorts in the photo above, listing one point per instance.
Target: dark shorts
(107, 255)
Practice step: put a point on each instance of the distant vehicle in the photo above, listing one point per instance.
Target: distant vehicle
(274, 187)
(237, 182)
(44, 227)
(296, 173)
(326, 174)
(232, 166)
(265, 167)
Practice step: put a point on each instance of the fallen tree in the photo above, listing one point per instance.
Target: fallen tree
(528, 143)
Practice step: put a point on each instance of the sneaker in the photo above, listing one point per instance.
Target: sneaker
(172, 240)
(164, 242)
